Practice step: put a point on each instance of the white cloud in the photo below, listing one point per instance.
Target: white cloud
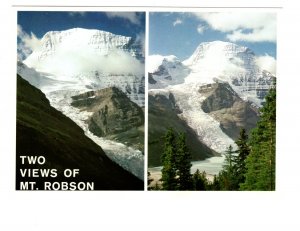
(267, 63)
(177, 22)
(244, 26)
(153, 62)
(201, 29)
(140, 39)
(71, 60)
(27, 43)
(131, 16)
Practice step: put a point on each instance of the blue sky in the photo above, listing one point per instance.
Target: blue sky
(180, 33)
(122, 23)
(32, 25)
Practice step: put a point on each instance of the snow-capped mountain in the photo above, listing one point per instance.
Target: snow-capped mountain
(97, 41)
(72, 62)
(212, 62)
(165, 71)
(228, 62)
(91, 59)
(193, 83)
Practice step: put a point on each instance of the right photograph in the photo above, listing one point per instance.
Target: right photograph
(212, 101)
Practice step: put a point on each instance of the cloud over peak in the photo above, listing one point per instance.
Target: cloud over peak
(28, 43)
(267, 63)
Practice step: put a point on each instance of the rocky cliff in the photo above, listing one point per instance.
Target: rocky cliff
(112, 115)
(224, 105)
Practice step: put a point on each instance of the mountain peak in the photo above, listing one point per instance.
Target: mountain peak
(155, 61)
(80, 37)
(64, 46)
(80, 31)
(220, 49)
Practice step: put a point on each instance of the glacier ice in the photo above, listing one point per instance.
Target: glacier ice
(211, 62)
(74, 61)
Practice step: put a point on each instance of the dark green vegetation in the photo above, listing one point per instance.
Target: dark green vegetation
(223, 104)
(163, 114)
(234, 170)
(260, 164)
(114, 116)
(250, 167)
(176, 159)
(42, 130)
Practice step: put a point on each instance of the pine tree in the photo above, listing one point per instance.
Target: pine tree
(183, 163)
(169, 181)
(240, 160)
(260, 163)
(200, 181)
(215, 185)
(227, 177)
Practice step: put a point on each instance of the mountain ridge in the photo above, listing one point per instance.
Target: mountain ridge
(66, 69)
(216, 117)
(43, 130)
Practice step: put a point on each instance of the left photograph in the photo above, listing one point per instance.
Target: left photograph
(80, 101)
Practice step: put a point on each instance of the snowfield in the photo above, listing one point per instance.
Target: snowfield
(210, 63)
(130, 159)
(189, 100)
(77, 60)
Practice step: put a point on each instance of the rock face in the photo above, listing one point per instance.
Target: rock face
(218, 89)
(112, 114)
(224, 105)
(229, 62)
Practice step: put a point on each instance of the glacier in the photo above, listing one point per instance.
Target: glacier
(211, 62)
(77, 60)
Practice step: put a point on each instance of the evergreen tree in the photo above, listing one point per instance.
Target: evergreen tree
(183, 163)
(169, 181)
(240, 160)
(176, 161)
(215, 185)
(227, 177)
(199, 180)
(260, 163)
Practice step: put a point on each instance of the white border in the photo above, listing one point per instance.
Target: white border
(114, 210)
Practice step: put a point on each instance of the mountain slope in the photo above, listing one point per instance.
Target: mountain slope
(225, 106)
(72, 62)
(113, 115)
(163, 114)
(217, 91)
(229, 62)
(42, 130)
